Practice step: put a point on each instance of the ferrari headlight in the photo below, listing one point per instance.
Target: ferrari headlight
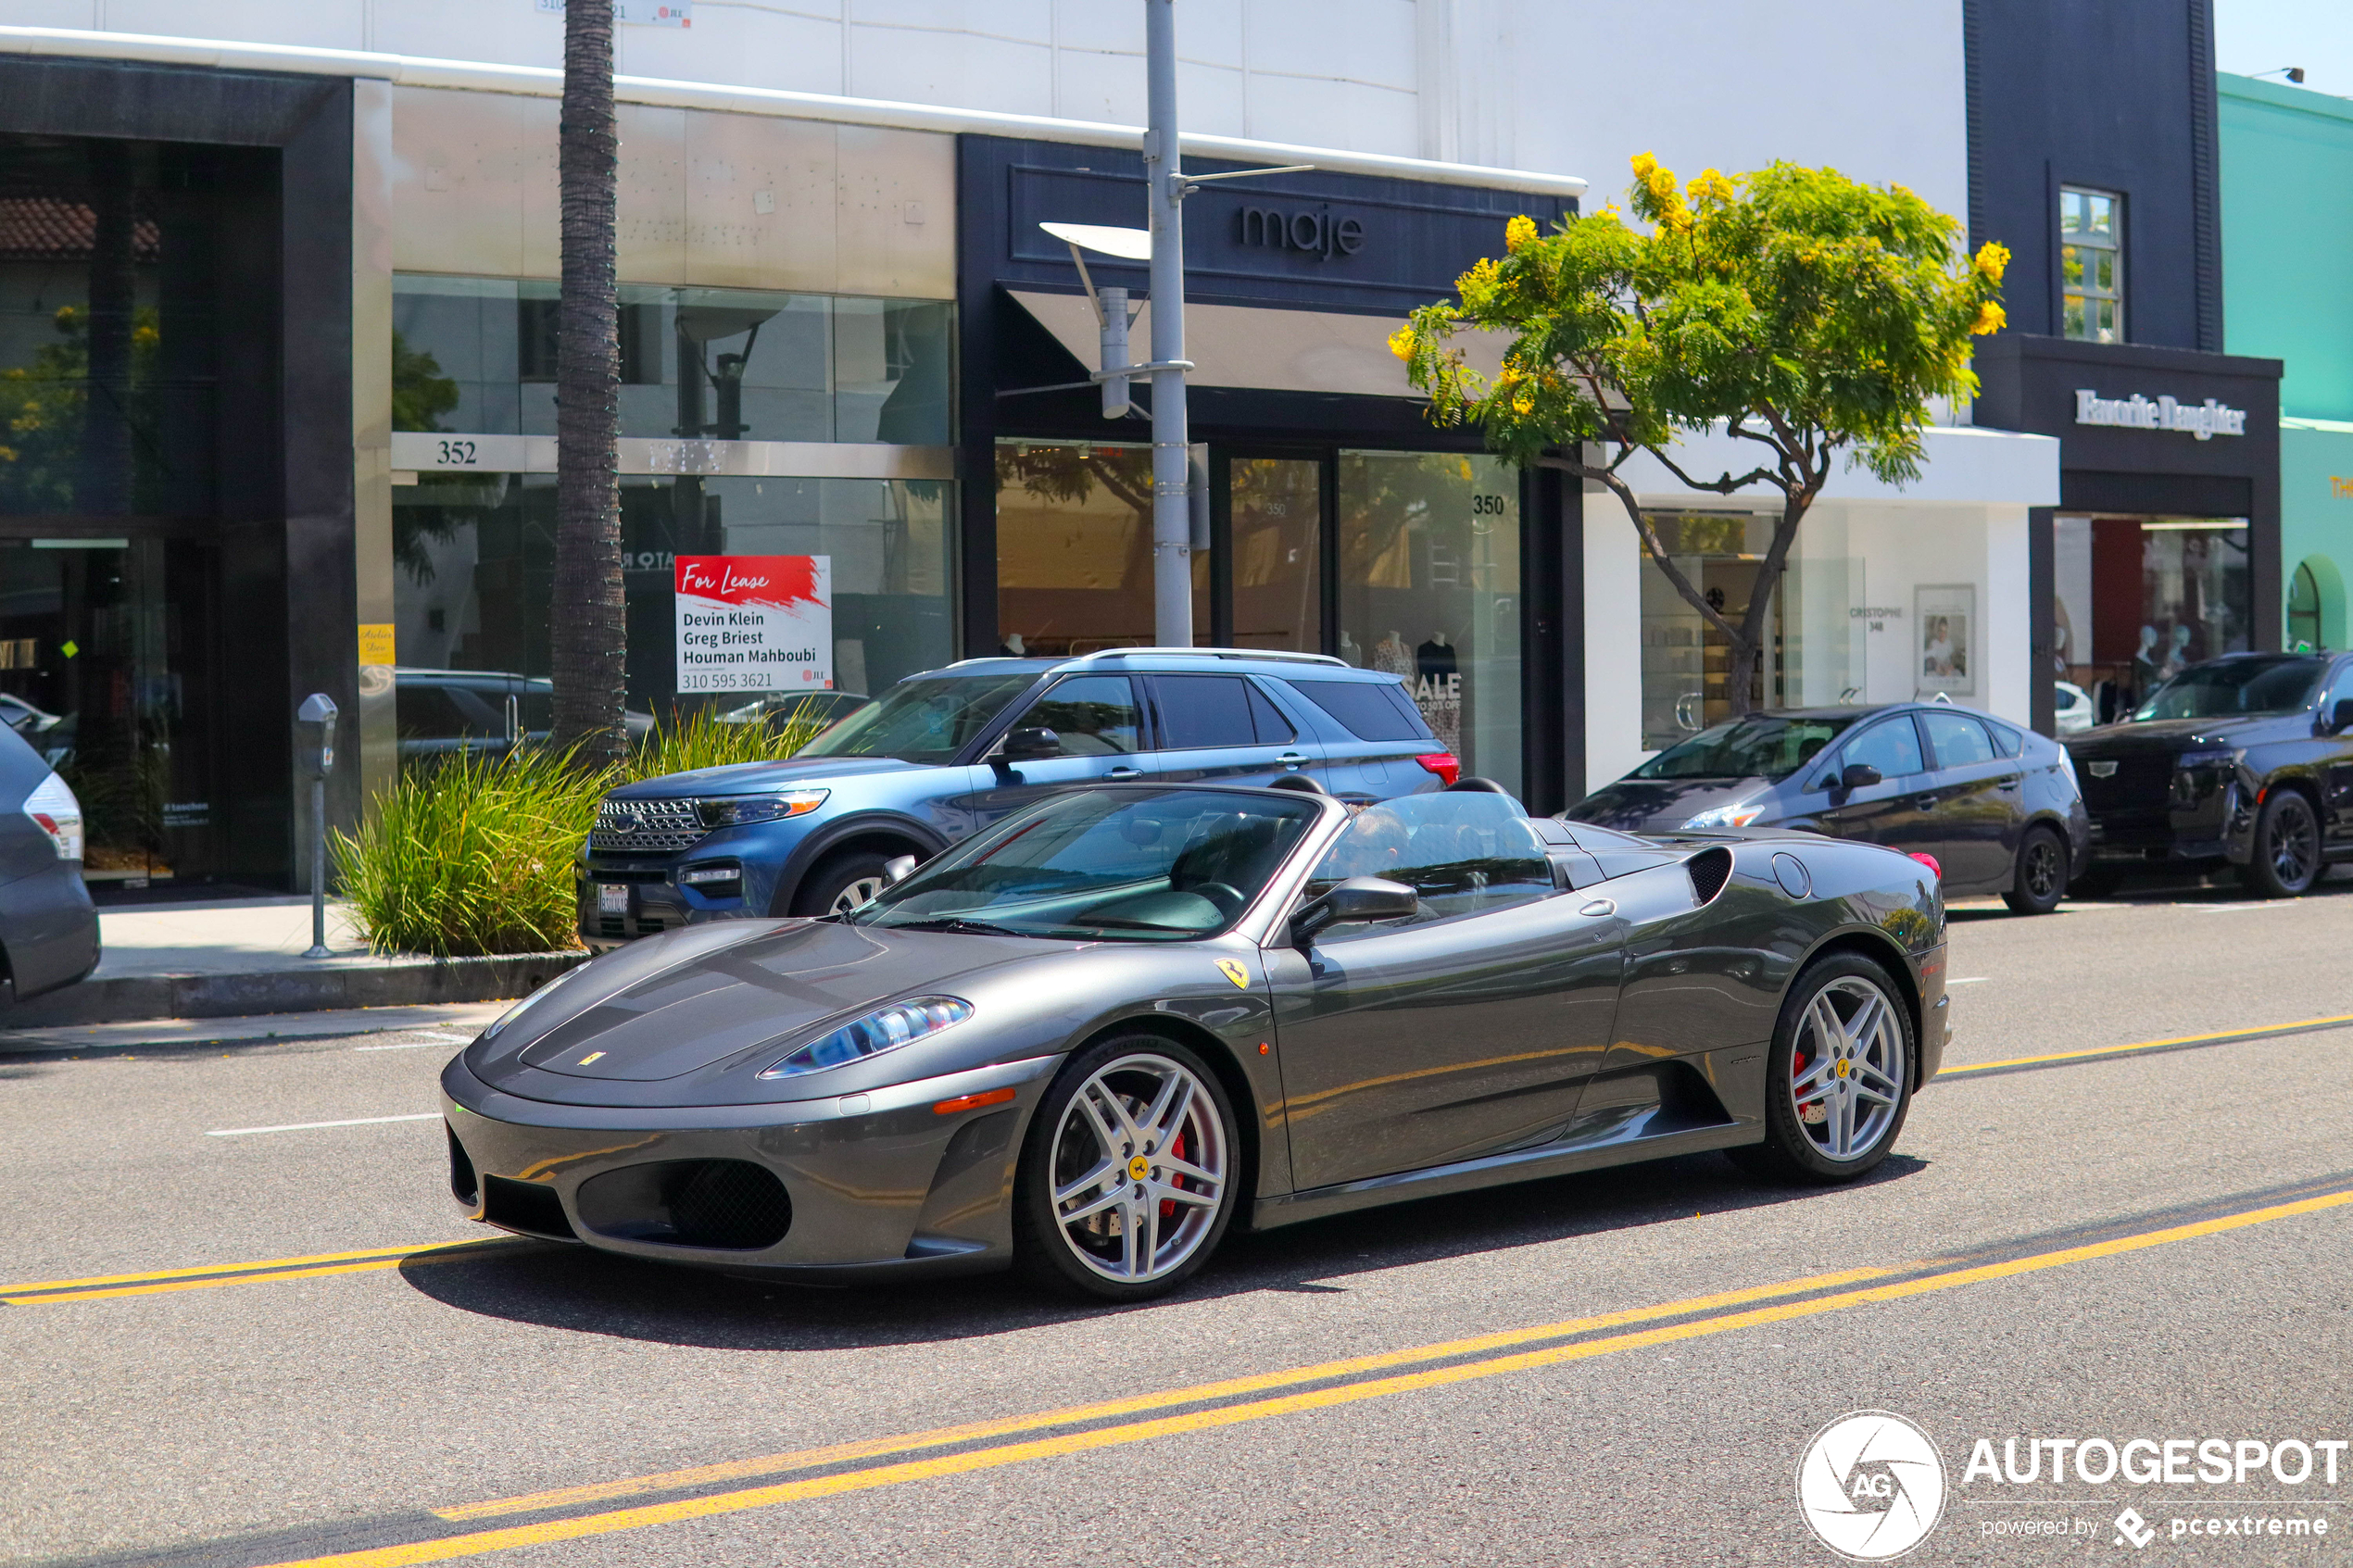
(884, 1029)
(740, 811)
(1728, 816)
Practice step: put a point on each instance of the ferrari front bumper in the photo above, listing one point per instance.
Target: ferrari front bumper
(881, 1185)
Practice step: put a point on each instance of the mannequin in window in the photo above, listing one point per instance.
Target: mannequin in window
(1013, 646)
(1349, 652)
(1389, 656)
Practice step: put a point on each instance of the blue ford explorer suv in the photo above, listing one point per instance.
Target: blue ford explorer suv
(946, 753)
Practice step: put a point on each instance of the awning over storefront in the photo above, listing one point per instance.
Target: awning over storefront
(1264, 349)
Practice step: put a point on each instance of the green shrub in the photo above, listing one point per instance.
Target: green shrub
(472, 856)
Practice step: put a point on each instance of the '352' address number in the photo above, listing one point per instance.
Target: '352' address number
(457, 453)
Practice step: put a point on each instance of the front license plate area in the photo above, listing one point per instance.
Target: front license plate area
(613, 897)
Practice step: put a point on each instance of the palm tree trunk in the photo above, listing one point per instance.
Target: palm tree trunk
(589, 631)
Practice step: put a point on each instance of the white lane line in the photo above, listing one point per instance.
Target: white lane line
(1971, 979)
(307, 1126)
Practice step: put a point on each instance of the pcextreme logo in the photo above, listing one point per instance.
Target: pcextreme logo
(1872, 1486)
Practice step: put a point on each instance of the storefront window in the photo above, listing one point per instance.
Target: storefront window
(475, 556)
(1430, 590)
(2140, 599)
(1075, 549)
(2304, 610)
(1686, 662)
(478, 355)
(1277, 529)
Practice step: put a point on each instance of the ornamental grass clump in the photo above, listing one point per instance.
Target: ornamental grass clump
(472, 856)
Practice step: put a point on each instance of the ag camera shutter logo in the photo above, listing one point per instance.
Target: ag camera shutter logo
(1872, 1486)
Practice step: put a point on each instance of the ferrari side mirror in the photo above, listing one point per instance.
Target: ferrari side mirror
(1358, 898)
(898, 869)
(1859, 776)
(1030, 743)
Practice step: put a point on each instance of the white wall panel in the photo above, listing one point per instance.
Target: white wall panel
(459, 177)
(742, 47)
(1001, 73)
(736, 164)
(1317, 113)
(1368, 41)
(319, 24)
(650, 226)
(897, 214)
(1613, 641)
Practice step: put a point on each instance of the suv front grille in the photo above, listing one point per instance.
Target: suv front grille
(647, 826)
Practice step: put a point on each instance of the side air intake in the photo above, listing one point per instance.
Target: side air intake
(1710, 869)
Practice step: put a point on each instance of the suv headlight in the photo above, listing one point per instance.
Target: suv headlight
(1728, 816)
(884, 1029)
(739, 810)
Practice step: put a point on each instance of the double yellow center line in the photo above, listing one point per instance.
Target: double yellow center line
(1343, 1382)
(99, 1287)
(2220, 1037)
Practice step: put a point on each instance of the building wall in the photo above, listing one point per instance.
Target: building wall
(2288, 238)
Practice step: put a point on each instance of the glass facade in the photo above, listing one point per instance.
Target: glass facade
(478, 355)
(2139, 600)
(1075, 549)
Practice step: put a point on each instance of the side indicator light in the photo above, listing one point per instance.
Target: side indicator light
(1930, 861)
(1264, 1048)
(971, 1102)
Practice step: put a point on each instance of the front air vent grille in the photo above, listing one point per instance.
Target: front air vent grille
(463, 1185)
(1710, 869)
(646, 826)
(725, 1204)
(525, 1206)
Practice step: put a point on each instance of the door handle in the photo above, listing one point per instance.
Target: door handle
(1600, 907)
(1124, 773)
(1926, 801)
(2012, 782)
(1292, 759)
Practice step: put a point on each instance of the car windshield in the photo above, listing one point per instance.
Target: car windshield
(927, 720)
(2233, 686)
(1760, 746)
(1105, 865)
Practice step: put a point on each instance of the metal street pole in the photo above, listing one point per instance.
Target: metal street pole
(1172, 513)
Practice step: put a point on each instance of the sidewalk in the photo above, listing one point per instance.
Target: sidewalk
(241, 957)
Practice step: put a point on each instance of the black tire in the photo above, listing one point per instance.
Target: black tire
(2039, 880)
(2287, 847)
(856, 873)
(1060, 1137)
(1791, 1149)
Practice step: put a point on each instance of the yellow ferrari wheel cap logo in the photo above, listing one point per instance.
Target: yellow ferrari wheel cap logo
(1842, 1070)
(1140, 1168)
(1232, 970)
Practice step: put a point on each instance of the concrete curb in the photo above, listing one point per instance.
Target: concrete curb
(398, 983)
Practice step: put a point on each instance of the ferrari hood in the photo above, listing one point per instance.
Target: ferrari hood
(711, 1003)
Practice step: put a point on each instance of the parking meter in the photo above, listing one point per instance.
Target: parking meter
(315, 755)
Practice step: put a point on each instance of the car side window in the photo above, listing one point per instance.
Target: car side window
(1462, 852)
(1267, 720)
(1891, 745)
(434, 713)
(2340, 690)
(1203, 710)
(2006, 741)
(1960, 741)
(1095, 715)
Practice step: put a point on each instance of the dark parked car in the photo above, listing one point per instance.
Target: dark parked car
(441, 713)
(1096, 1036)
(944, 754)
(48, 930)
(2244, 761)
(1994, 806)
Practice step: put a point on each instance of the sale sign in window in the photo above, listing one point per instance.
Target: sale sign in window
(755, 623)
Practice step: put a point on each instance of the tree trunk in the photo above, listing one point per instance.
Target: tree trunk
(585, 616)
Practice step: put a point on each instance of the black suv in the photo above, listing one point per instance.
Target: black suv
(2244, 761)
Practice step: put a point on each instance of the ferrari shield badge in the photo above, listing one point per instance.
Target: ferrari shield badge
(1232, 970)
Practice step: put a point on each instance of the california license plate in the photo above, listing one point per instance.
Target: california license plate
(613, 897)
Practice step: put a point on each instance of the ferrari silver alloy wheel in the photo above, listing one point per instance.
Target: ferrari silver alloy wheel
(857, 893)
(1140, 1168)
(1846, 1074)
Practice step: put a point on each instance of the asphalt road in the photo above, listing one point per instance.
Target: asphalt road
(1618, 1368)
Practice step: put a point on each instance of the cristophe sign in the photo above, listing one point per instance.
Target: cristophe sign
(755, 623)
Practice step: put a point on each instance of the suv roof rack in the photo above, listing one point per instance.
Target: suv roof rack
(1217, 653)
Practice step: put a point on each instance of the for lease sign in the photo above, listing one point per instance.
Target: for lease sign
(755, 623)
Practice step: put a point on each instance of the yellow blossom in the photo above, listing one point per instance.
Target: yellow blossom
(1711, 186)
(1401, 342)
(1520, 231)
(1524, 404)
(1992, 257)
(1644, 167)
(1989, 319)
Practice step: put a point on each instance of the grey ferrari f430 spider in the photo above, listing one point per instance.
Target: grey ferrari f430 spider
(1088, 1041)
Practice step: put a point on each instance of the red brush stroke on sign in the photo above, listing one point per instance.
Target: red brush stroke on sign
(780, 581)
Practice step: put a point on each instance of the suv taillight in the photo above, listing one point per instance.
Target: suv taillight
(58, 813)
(1445, 764)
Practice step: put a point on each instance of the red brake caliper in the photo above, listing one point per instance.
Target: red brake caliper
(1177, 1151)
(1797, 1069)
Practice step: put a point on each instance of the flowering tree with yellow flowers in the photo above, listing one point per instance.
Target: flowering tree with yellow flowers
(1794, 309)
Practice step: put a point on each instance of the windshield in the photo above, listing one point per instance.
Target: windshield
(926, 720)
(2235, 686)
(1167, 866)
(1756, 746)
